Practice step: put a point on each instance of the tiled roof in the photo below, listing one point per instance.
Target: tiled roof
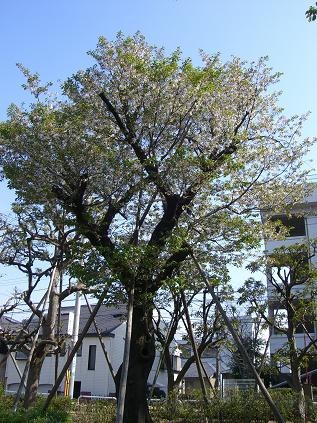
(9, 324)
(108, 318)
(193, 373)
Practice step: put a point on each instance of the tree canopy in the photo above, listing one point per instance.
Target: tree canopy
(207, 142)
(152, 157)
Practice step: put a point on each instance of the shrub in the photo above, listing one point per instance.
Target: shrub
(239, 406)
(58, 412)
(95, 412)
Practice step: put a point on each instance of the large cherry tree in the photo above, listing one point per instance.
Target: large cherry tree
(153, 158)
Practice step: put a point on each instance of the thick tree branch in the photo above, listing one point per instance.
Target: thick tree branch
(171, 265)
(148, 162)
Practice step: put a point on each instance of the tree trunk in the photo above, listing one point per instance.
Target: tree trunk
(299, 409)
(42, 348)
(36, 364)
(300, 400)
(170, 372)
(142, 354)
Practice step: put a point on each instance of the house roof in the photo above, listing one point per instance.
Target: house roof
(193, 373)
(107, 319)
(7, 324)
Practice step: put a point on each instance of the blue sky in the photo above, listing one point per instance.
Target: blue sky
(53, 37)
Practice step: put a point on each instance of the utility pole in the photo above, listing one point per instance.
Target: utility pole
(74, 340)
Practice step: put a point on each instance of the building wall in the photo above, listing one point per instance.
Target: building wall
(309, 210)
(116, 349)
(161, 381)
(95, 382)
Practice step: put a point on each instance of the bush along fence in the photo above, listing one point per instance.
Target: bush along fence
(240, 406)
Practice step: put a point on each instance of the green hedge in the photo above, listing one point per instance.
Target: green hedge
(58, 412)
(240, 406)
(94, 412)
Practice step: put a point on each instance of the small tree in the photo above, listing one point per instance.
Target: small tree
(254, 347)
(208, 328)
(291, 305)
(39, 245)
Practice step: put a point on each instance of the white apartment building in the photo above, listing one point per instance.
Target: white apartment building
(303, 229)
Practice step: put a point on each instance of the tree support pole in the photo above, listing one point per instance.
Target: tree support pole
(101, 341)
(192, 340)
(160, 361)
(74, 350)
(240, 345)
(58, 324)
(125, 363)
(207, 377)
(17, 367)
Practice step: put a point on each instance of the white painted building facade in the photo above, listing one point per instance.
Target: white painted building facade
(304, 223)
(92, 377)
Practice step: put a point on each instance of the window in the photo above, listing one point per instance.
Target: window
(21, 355)
(295, 224)
(92, 357)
